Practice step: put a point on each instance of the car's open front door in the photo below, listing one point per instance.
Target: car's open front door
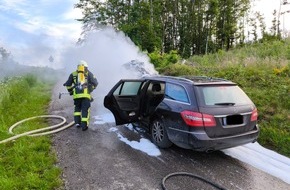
(124, 101)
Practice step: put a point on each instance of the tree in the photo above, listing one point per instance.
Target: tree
(231, 12)
(188, 26)
(4, 54)
(274, 27)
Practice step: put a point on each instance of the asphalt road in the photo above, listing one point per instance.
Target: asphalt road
(97, 159)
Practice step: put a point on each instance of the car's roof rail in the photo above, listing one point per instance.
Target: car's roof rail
(204, 78)
(178, 78)
(174, 78)
(193, 79)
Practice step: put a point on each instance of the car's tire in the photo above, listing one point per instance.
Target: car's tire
(159, 134)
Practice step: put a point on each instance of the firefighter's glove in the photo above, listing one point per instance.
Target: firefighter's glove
(92, 99)
(70, 92)
(91, 88)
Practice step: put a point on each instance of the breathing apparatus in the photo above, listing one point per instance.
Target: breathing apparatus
(82, 69)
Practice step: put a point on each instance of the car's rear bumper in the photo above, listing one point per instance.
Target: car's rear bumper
(200, 141)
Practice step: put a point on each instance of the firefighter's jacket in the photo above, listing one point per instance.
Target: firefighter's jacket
(81, 90)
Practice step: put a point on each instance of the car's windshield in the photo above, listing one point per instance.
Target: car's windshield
(223, 95)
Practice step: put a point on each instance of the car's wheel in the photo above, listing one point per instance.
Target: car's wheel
(159, 135)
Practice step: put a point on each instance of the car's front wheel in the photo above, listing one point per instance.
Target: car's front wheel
(159, 135)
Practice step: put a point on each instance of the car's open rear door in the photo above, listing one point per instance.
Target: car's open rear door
(124, 101)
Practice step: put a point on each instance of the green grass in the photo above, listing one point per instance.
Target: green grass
(26, 163)
(263, 72)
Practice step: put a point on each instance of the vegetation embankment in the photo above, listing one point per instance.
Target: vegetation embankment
(263, 72)
(28, 162)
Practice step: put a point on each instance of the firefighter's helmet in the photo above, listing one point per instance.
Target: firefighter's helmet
(84, 63)
(82, 66)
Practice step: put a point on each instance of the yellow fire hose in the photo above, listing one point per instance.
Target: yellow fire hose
(38, 132)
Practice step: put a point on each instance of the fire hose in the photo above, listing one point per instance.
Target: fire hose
(39, 132)
(56, 128)
(217, 186)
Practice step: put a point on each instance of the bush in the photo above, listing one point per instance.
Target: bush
(163, 60)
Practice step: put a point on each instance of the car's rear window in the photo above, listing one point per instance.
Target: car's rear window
(223, 95)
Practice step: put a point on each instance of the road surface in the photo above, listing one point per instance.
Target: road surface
(99, 159)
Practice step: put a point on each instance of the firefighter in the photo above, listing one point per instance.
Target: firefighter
(80, 84)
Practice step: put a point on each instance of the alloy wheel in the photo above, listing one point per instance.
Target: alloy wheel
(158, 132)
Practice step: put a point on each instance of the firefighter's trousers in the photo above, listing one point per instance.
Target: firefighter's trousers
(82, 111)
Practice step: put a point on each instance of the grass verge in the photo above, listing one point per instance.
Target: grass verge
(265, 77)
(28, 162)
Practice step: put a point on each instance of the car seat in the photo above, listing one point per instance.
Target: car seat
(155, 97)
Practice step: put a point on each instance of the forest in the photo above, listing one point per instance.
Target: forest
(187, 27)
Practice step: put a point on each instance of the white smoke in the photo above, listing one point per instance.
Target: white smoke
(106, 51)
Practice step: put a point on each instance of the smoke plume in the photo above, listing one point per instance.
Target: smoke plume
(107, 52)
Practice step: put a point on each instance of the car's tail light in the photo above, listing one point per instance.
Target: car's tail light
(196, 119)
(254, 116)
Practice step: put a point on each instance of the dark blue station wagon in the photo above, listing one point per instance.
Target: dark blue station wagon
(199, 113)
